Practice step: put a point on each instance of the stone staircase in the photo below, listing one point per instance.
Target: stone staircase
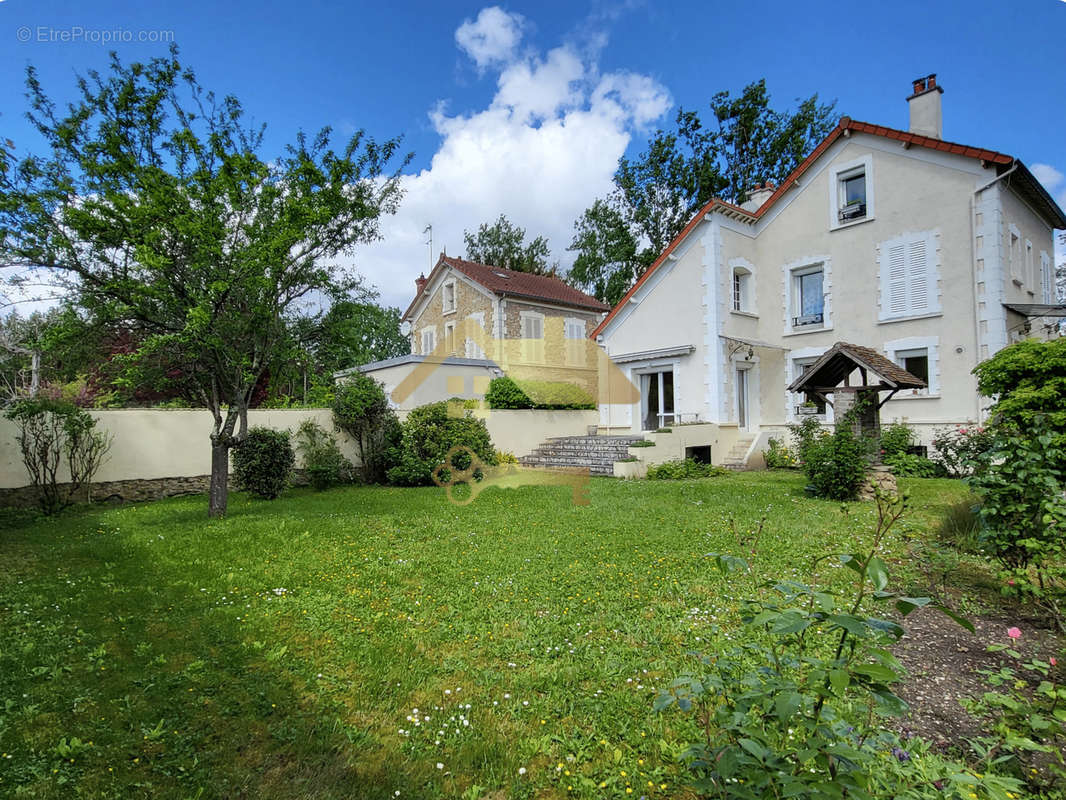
(598, 453)
(736, 459)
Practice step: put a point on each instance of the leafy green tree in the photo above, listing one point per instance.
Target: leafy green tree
(1027, 380)
(503, 244)
(607, 262)
(354, 333)
(746, 143)
(155, 204)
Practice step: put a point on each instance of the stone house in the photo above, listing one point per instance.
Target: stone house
(933, 253)
(533, 327)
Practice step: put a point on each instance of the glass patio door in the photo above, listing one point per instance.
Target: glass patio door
(657, 399)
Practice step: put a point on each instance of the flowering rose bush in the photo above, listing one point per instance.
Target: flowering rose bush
(960, 450)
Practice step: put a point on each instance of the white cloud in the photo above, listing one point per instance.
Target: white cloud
(1053, 180)
(492, 38)
(1048, 175)
(540, 152)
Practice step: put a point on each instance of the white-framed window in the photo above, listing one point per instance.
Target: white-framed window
(808, 296)
(742, 289)
(447, 296)
(449, 338)
(1030, 268)
(473, 349)
(429, 340)
(532, 337)
(799, 367)
(1014, 253)
(909, 276)
(851, 198)
(1047, 278)
(574, 331)
(475, 323)
(919, 355)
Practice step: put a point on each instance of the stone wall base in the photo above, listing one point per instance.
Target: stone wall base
(131, 491)
(881, 477)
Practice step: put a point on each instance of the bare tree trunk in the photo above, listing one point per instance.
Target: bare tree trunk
(218, 494)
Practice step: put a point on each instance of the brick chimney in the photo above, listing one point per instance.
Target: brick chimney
(926, 116)
(757, 196)
(420, 284)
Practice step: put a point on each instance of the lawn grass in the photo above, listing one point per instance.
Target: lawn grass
(281, 652)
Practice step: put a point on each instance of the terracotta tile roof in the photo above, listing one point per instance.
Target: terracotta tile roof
(843, 358)
(845, 126)
(524, 284)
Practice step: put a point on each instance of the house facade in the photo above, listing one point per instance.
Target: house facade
(933, 253)
(532, 327)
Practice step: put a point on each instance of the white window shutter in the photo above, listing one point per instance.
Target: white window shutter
(918, 276)
(1047, 278)
(896, 284)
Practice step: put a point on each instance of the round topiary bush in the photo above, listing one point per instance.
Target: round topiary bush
(263, 462)
(429, 432)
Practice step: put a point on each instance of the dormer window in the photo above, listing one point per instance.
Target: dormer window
(851, 192)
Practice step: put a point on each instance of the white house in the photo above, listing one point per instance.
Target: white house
(934, 253)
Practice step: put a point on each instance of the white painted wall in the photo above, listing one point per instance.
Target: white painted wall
(172, 443)
(910, 191)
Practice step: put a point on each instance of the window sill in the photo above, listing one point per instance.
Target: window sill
(897, 396)
(447, 313)
(851, 223)
(748, 314)
(890, 320)
(807, 329)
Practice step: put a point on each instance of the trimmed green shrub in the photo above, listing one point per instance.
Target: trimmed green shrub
(836, 463)
(323, 460)
(895, 439)
(51, 432)
(683, 470)
(263, 461)
(428, 433)
(643, 443)
(778, 455)
(804, 433)
(906, 465)
(506, 393)
(361, 409)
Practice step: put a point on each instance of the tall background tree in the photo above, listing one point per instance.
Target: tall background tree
(746, 143)
(503, 244)
(156, 205)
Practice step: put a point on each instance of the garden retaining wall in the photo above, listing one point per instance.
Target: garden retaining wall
(163, 452)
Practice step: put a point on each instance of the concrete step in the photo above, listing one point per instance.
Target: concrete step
(596, 453)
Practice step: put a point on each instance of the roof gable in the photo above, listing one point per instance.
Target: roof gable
(511, 283)
(1028, 186)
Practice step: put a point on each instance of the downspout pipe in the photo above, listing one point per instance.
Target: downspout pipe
(973, 283)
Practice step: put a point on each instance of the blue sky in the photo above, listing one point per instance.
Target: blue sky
(523, 108)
